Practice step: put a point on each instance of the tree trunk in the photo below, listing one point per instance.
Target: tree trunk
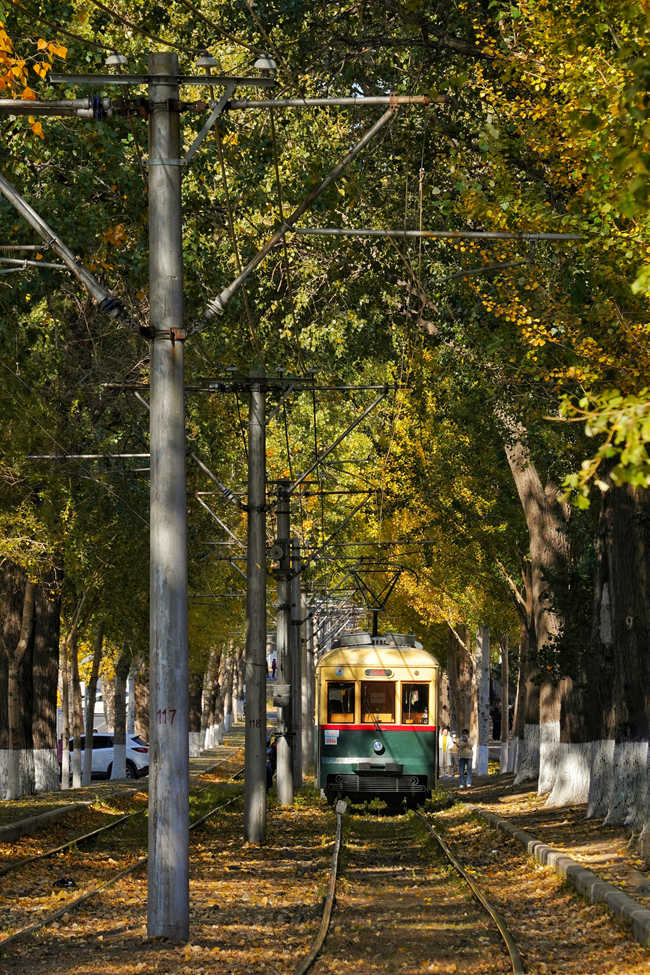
(483, 698)
(141, 691)
(550, 704)
(45, 667)
(194, 717)
(209, 699)
(626, 516)
(119, 735)
(65, 716)
(227, 689)
(91, 694)
(549, 551)
(108, 695)
(460, 670)
(19, 780)
(77, 711)
(505, 705)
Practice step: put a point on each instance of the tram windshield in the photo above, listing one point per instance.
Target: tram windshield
(377, 701)
(415, 703)
(340, 702)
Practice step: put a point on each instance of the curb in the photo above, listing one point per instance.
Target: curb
(586, 882)
(12, 831)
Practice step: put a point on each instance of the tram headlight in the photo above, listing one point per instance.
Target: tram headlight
(378, 747)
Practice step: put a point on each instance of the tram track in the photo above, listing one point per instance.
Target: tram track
(412, 875)
(96, 861)
(93, 834)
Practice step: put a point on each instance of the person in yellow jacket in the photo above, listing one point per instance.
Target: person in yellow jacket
(465, 751)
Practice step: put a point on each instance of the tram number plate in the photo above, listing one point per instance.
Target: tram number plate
(331, 736)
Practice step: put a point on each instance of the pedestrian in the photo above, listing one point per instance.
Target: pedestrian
(465, 748)
(445, 751)
(271, 759)
(453, 753)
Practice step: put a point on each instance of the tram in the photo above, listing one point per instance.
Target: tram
(376, 717)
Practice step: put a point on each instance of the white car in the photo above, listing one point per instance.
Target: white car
(137, 756)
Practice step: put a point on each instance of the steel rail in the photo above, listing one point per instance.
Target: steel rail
(513, 951)
(75, 841)
(305, 964)
(44, 922)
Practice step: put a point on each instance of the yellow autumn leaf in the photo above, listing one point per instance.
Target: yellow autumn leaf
(41, 44)
(28, 93)
(37, 129)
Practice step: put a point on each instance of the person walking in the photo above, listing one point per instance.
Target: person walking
(465, 748)
(445, 751)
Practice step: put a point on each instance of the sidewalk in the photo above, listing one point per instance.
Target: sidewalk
(604, 850)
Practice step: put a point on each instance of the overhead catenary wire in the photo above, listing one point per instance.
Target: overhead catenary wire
(107, 487)
(139, 30)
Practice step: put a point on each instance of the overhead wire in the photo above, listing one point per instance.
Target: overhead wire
(318, 469)
(242, 428)
(235, 244)
(140, 30)
(40, 19)
(226, 35)
(108, 487)
(285, 250)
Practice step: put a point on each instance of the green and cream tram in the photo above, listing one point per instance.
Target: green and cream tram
(377, 699)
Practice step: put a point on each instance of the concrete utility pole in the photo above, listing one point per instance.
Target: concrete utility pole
(168, 898)
(296, 662)
(255, 709)
(307, 637)
(285, 723)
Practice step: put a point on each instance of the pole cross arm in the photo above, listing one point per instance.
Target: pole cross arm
(217, 305)
(107, 302)
(155, 79)
(92, 107)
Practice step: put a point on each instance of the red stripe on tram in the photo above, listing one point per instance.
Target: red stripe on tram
(383, 725)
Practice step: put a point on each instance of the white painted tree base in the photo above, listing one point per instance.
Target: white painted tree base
(227, 721)
(194, 743)
(16, 772)
(46, 770)
(513, 750)
(630, 769)
(481, 766)
(503, 757)
(528, 755)
(573, 774)
(602, 777)
(119, 762)
(549, 741)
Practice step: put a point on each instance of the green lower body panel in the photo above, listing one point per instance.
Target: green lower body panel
(368, 762)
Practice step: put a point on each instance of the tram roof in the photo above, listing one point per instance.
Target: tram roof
(391, 650)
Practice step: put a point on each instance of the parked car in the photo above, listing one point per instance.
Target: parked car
(137, 756)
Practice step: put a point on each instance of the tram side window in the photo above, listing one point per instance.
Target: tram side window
(340, 702)
(377, 701)
(415, 703)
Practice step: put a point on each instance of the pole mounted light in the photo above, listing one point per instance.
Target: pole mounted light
(116, 60)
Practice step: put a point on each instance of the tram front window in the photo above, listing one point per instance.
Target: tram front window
(415, 703)
(340, 702)
(377, 701)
